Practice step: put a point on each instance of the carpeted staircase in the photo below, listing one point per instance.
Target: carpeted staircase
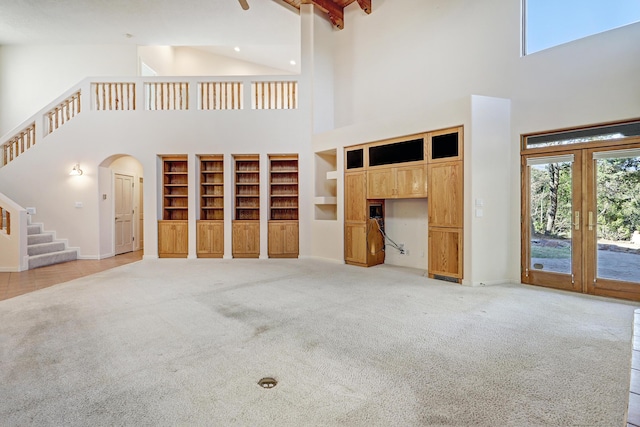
(44, 250)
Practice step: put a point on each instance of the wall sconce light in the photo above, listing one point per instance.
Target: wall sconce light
(76, 171)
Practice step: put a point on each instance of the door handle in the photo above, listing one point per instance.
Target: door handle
(591, 221)
(576, 224)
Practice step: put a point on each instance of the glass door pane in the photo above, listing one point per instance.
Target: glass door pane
(550, 207)
(617, 215)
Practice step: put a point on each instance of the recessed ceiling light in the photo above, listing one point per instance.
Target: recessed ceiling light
(237, 49)
(292, 62)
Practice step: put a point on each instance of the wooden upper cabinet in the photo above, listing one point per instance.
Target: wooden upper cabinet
(355, 197)
(445, 145)
(381, 183)
(446, 194)
(411, 181)
(397, 182)
(355, 158)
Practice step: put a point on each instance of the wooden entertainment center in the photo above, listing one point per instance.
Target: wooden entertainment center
(428, 165)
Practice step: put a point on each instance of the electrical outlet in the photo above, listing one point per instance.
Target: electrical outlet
(401, 248)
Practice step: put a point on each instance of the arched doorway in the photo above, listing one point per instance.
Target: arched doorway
(121, 208)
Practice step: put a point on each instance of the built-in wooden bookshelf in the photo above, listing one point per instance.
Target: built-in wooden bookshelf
(173, 228)
(211, 188)
(175, 188)
(245, 235)
(210, 224)
(247, 184)
(283, 230)
(283, 187)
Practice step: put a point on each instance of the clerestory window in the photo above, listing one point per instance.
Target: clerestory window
(549, 23)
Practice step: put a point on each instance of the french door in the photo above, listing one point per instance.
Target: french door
(581, 220)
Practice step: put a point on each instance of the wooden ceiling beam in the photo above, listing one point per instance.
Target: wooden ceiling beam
(365, 5)
(333, 10)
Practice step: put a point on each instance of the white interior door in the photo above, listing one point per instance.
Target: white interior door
(123, 213)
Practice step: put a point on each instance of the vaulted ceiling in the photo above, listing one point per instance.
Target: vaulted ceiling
(267, 32)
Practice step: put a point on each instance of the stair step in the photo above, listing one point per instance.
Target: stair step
(34, 229)
(52, 258)
(35, 239)
(44, 248)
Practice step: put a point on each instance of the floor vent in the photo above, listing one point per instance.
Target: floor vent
(445, 278)
(267, 382)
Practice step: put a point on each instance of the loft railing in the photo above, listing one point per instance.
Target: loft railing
(157, 94)
(274, 95)
(220, 95)
(19, 143)
(167, 95)
(63, 112)
(114, 96)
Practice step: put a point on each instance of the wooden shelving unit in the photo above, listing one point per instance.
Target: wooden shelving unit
(173, 228)
(246, 221)
(211, 188)
(210, 225)
(283, 206)
(417, 166)
(247, 183)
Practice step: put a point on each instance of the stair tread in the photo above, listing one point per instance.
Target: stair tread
(52, 258)
(44, 248)
(54, 253)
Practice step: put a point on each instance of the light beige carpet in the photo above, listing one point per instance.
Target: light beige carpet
(184, 342)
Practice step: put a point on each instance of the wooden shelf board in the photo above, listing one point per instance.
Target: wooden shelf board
(327, 200)
(332, 175)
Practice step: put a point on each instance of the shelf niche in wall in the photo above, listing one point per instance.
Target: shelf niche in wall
(326, 179)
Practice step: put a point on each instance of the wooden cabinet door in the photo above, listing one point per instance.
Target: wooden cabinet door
(355, 197)
(245, 239)
(283, 239)
(411, 181)
(355, 243)
(210, 239)
(276, 239)
(291, 239)
(381, 184)
(445, 194)
(173, 239)
(445, 252)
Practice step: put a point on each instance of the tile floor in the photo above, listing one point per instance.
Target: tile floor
(14, 284)
(633, 418)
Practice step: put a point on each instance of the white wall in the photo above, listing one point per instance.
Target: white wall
(406, 223)
(33, 75)
(190, 61)
(40, 177)
(489, 194)
(414, 66)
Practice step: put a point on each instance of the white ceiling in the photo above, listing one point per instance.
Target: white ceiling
(268, 33)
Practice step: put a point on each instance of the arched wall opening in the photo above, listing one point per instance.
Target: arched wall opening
(115, 173)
